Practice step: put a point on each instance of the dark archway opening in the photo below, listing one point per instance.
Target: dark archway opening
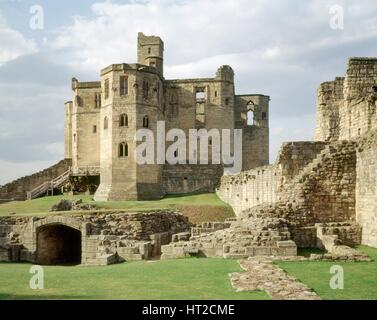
(58, 245)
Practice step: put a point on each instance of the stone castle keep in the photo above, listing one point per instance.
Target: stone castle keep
(104, 116)
(317, 194)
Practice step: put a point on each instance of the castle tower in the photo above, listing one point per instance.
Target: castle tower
(131, 100)
(150, 52)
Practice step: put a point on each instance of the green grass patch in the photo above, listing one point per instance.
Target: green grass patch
(163, 280)
(198, 207)
(360, 278)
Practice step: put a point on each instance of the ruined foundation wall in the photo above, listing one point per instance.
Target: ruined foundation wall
(106, 236)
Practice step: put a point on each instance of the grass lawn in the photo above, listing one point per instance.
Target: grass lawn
(198, 207)
(163, 280)
(360, 278)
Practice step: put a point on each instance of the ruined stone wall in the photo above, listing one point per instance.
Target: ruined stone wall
(262, 185)
(255, 139)
(191, 178)
(324, 191)
(250, 188)
(366, 189)
(293, 157)
(206, 103)
(17, 189)
(329, 101)
(314, 183)
(358, 112)
(106, 237)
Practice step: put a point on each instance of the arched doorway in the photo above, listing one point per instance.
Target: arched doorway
(58, 244)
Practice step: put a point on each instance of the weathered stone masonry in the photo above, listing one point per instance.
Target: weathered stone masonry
(99, 237)
(335, 179)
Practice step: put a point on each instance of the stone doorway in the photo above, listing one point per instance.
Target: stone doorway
(58, 244)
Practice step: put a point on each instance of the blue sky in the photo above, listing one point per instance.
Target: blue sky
(284, 49)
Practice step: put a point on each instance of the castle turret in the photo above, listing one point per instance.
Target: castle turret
(150, 52)
(131, 100)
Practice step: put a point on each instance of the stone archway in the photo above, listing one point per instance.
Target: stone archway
(58, 244)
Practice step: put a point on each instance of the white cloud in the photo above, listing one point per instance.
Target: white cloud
(12, 43)
(198, 34)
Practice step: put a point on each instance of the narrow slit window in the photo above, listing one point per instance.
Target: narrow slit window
(97, 100)
(107, 88)
(146, 122)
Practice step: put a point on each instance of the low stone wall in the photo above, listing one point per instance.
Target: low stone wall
(250, 188)
(346, 233)
(17, 189)
(105, 237)
(208, 227)
(255, 235)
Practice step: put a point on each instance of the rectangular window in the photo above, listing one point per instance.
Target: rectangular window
(94, 129)
(107, 88)
(123, 85)
(97, 100)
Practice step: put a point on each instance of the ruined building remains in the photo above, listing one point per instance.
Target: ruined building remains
(317, 194)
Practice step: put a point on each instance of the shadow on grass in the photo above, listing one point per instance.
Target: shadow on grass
(10, 296)
(182, 195)
(306, 252)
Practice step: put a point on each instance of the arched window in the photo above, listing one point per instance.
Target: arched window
(123, 150)
(105, 123)
(145, 122)
(250, 113)
(123, 120)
